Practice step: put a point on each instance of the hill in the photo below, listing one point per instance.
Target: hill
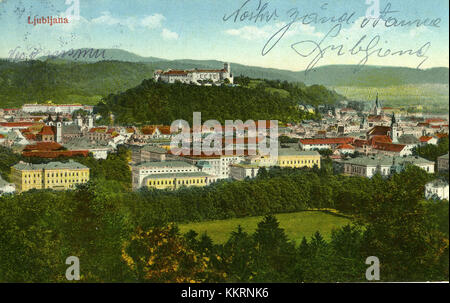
(161, 103)
(66, 82)
(101, 54)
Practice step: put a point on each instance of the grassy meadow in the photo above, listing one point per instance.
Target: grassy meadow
(296, 225)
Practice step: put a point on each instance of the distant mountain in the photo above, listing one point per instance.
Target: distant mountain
(332, 75)
(95, 55)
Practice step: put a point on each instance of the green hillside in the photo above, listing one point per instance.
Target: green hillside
(66, 82)
(161, 103)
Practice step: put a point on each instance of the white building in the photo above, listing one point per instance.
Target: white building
(242, 171)
(437, 189)
(51, 108)
(384, 165)
(195, 76)
(219, 164)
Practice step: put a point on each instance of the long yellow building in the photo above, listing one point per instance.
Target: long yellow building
(175, 181)
(288, 157)
(54, 175)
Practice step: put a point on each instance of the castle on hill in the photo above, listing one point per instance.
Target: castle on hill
(196, 76)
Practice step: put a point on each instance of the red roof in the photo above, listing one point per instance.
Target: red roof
(46, 131)
(379, 131)
(98, 130)
(434, 120)
(148, 130)
(344, 140)
(30, 136)
(1, 136)
(360, 143)
(55, 154)
(389, 147)
(380, 139)
(165, 130)
(345, 146)
(425, 138)
(16, 124)
(43, 146)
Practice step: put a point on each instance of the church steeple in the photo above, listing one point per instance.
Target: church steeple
(394, 129)
(377, 108)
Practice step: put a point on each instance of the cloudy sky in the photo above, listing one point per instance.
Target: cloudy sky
(225, 30)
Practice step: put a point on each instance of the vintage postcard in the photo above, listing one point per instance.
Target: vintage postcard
(232, 141)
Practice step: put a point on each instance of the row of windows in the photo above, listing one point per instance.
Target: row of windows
(300, 162)
(70, 174)
(66, 181)
(179, 182)
(54, 181)
(168, 171)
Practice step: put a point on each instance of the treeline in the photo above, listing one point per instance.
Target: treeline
(432, 152)
(112, 230)
(160, 103)
(66, 82)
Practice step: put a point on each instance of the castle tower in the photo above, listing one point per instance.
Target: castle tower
(227, 74)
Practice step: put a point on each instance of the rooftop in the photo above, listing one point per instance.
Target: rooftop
(161, 164)
(387, 160)
(52, 165)
(178, 175)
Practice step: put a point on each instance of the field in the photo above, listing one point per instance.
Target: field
(296, 225)
(433, 97)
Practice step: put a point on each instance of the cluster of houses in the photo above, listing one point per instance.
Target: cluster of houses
(360, 143)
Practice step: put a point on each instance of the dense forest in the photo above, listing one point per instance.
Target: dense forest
(128, 236)
(160, 103)
(66, 82)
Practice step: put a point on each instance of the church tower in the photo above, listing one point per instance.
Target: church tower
(394, 129)
(364, 123)
(58, 129)
(90, 120)
(377, 108)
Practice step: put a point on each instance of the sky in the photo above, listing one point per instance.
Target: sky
(224, 30)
